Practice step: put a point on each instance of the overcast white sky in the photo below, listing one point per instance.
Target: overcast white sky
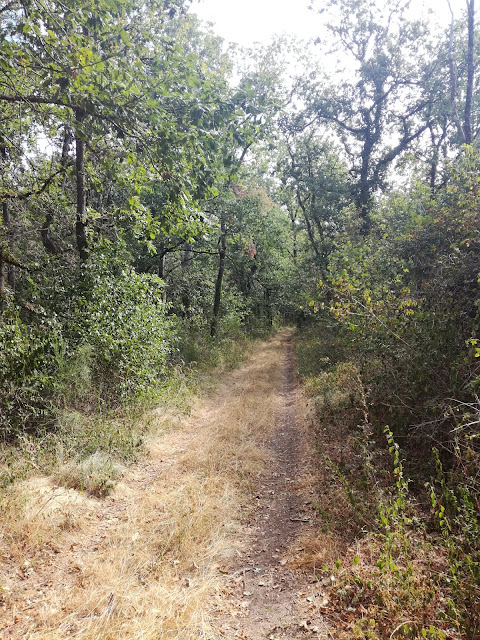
(248, 21)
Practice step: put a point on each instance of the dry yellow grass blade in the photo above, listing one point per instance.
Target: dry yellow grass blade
(143, 562)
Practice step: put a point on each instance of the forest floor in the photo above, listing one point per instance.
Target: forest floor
(215, 534)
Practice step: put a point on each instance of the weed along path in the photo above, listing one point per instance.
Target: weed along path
(203, 539)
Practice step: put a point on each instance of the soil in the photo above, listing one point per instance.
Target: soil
(266, 595)
(267, 592)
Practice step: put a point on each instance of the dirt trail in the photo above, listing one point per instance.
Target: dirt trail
(268, 596)
(178, 550)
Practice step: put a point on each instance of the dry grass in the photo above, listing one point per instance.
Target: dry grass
(383, 582)
(143, 562)
(96, 474)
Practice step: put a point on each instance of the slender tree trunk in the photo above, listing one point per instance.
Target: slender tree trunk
(433, 171)
(222, 254)
(293, 220)
(268, 305)
(364, 190)
(187, 255)
(81, 223)
(186, 262)
(470, 71)
(437, 148)
(2, 279)
(161, 264)
(48, 243)
(7, 272)
(11, 275)
(311, 235)
(434, 160)
(453, 80)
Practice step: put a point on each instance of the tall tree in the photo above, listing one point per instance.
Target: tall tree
(387, 106)
(465, 126)
(316, 184)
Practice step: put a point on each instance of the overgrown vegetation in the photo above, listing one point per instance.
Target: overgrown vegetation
(409, 528)
(164, 200)
(131, 259)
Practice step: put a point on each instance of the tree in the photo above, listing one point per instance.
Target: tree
(129, 82)
(388, 105)
(257, 102)
(316, 184)
(465, 126)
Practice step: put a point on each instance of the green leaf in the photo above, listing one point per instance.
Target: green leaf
(125, 38)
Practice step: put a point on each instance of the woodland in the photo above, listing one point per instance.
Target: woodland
(167, 198)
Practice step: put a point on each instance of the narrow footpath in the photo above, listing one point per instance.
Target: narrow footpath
(205, 538)
(268, 594)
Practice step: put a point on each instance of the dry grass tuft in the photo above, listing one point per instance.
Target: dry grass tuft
(96, 474)
(320, 550)
(142, 562)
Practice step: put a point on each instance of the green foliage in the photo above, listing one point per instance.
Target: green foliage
(123, 320)
(454, 505)
(27, 370)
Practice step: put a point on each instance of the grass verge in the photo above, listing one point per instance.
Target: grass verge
(88, 444)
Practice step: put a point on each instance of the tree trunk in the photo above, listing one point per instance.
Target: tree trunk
(453, 80)
(363, 196)
(2, 280)
(81, 223)
(470, 72)
(187, 255)
(7, 271)
(161, 264)
(311, 235)
(222, 254)
(295, 250)
(186, 262)
(268, 305)
(48, 243)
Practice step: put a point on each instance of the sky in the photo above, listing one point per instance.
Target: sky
(248, 21)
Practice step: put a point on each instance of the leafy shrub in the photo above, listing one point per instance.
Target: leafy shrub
(27, 371)
(108, 341)
(123, 318)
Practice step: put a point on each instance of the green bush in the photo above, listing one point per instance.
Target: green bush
(123, 319)
(27, 372)
(109, 344)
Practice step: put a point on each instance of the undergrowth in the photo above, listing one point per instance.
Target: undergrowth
(90, 441)
(410, 560)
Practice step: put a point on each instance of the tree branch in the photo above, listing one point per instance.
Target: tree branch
(33, 192)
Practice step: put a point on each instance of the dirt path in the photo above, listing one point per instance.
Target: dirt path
(267, 597)
(178, 550)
